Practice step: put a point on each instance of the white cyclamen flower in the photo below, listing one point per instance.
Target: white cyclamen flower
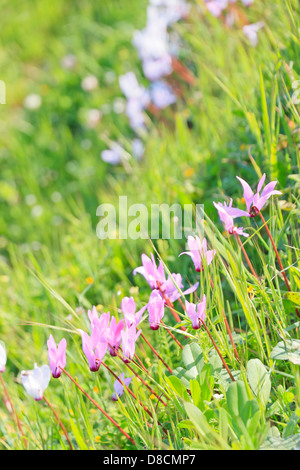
(3, 358)
(36, 381)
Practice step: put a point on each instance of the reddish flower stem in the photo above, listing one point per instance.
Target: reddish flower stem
(59, 422)
(217, 349)
(131, 393)
(276, 251)
(247, 257)
(183, 71)
(13, 409)
(141, 364)
(227, 327)
(171, 334)
(156, 353)
(99, 407)
(139, 377)
(277, 256)
(171, 307)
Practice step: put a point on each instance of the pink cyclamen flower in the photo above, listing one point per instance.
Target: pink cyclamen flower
(172, 286)
(119, 387)
(154, 275)
(36, 381)
(56, 356)
(227, 220)
(99, 325)
(3, 358)
(196, 313)
(199, 252)
(94, 350)
(131, 316)
(114, 336)
(254, 202)
(156, 309)
(129, 338)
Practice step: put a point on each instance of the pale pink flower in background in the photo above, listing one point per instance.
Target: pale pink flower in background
(156, 309)
(196, 312)
(3, 358)
(216, 7)
(119, 387)
(251, 30)
(36, 381)
(56, 356)
(129, 338)
(198, 252)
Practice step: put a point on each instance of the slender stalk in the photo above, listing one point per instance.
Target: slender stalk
(276, 251)
(227, 327)
(277, 256)
(183, 71)
(140, 378)
(99, 407)
(171, 334)
(141, 364)
(217, 349)
(13, 409)
(171, 306)
(247, 257)
(156, 353)
(131, 393)
(59, 422)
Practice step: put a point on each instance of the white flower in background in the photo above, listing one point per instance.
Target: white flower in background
(137, 148)
(162, 94)
(93, 117)
(36, 381)
(171, 10)
(3, 358)
(251, 30)
(113, 155)
(215, 7)
(68, 61)
(132, 89)
(152, 41)
(154, 69)
(89, 83)
(247, 3)
(137, 99)
(32, 101)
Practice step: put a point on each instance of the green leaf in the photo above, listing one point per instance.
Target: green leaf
(178, 387)
(183, 375)
(259, 380)
(287, 351)
(193, 359)
(237, 398)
